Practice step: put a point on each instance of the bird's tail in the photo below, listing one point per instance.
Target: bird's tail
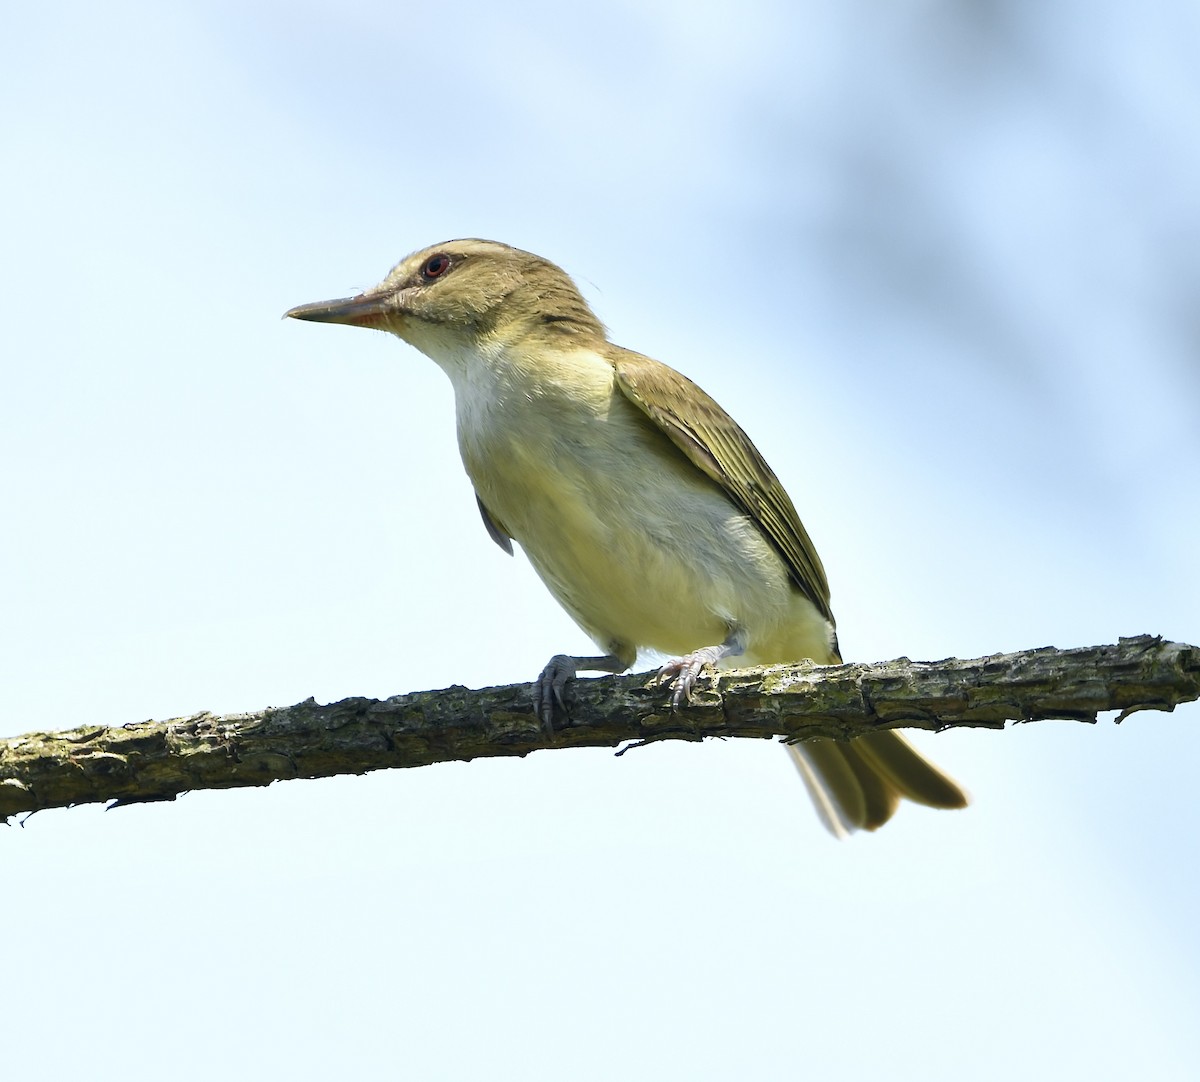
(858, 784)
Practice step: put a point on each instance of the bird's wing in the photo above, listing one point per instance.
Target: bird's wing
(495, 531)
(715, 444)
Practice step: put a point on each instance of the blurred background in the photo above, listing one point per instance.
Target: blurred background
(940, 258)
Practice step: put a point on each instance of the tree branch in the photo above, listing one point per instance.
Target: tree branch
(159, 760)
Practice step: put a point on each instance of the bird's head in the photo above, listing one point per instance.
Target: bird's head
(464, 293)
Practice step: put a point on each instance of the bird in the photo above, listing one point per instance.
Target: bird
(648, 513)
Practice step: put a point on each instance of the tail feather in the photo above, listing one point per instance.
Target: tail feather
(858, 784)
(882, 798)
(831, 784)
(914, 777)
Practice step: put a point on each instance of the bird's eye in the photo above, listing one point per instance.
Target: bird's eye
(435, 267)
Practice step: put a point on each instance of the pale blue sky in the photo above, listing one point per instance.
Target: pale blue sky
(941, 259)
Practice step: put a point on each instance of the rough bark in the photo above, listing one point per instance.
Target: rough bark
(158, 760)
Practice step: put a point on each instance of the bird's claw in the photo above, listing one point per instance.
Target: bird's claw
(683, 672)
(548, 691)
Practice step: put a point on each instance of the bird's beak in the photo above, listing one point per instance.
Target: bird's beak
(365, 310)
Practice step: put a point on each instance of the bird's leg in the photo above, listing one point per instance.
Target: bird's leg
(548, 691)
(684, 671)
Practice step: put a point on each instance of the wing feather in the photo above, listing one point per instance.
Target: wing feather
(495, 531)
(714, 443)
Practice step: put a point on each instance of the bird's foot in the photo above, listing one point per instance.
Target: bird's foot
(548, 690)
(683, 672)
